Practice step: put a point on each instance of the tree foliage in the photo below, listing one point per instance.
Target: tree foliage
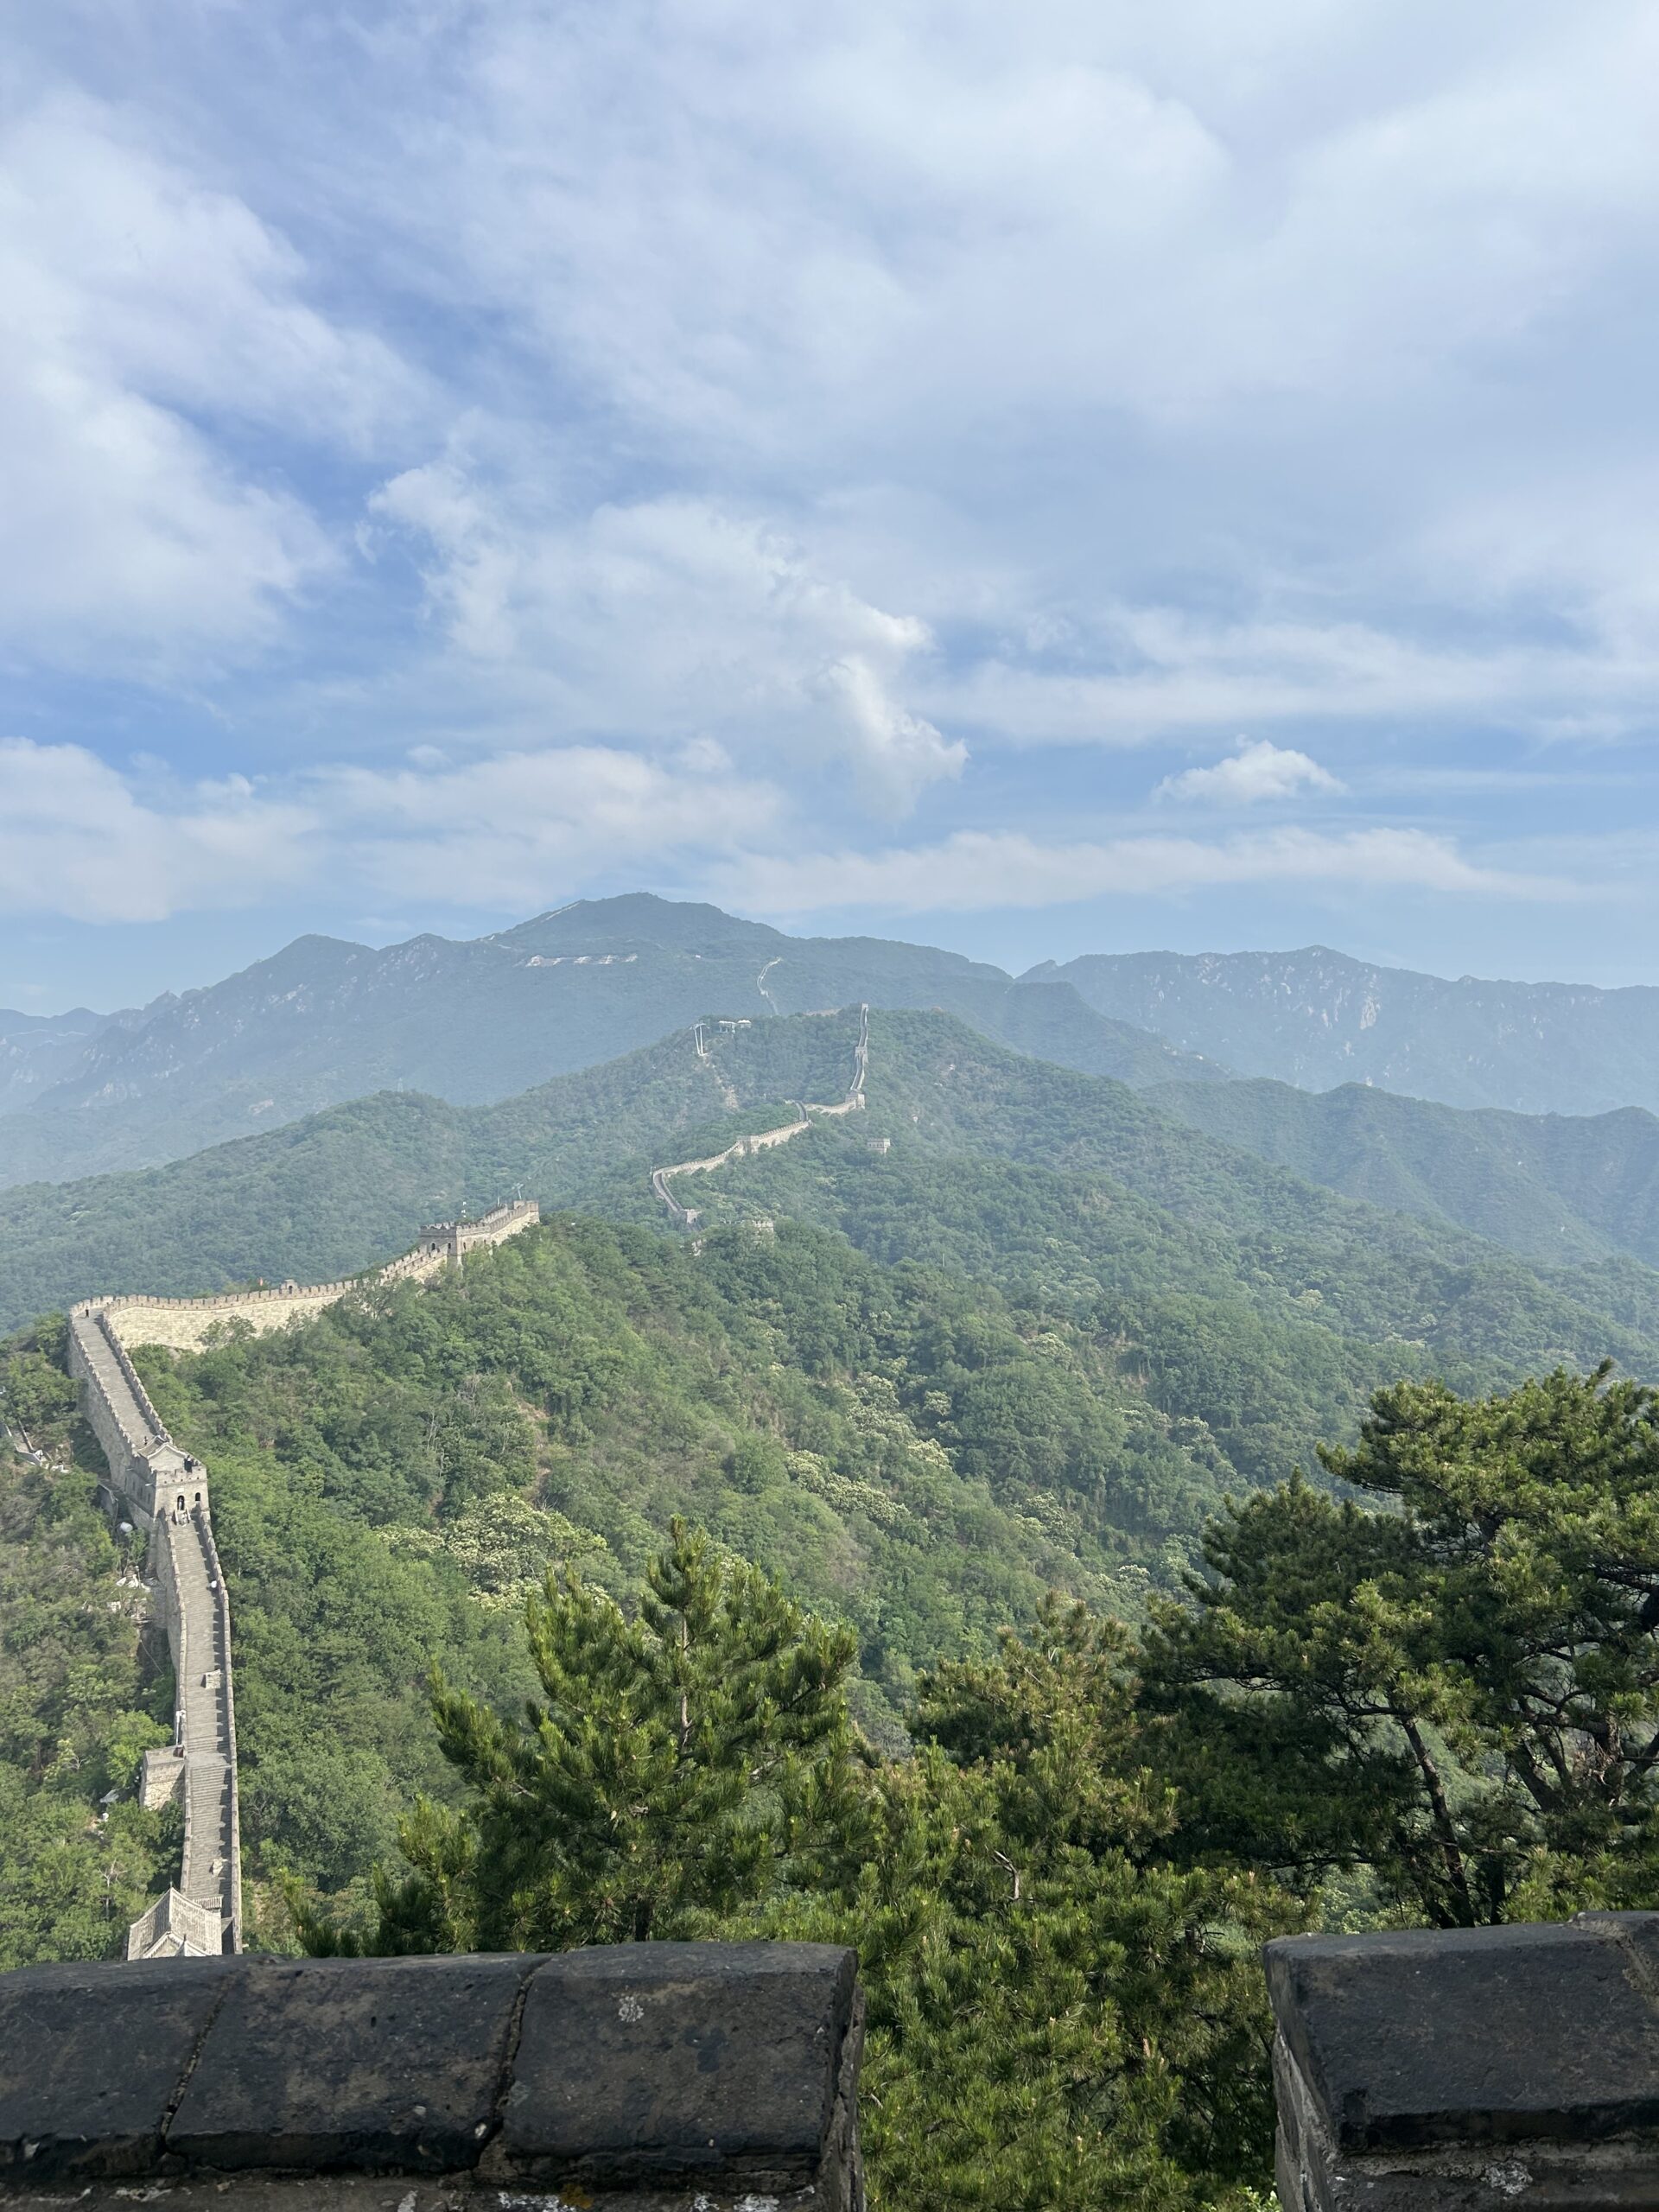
(1056, 2014)
(1452, 1677)
(79, 1707)
(677, 1760)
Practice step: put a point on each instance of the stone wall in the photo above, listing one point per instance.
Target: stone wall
(638, 2077)
(182, 1324)
(496, 1226)
(165, 1492)
(203, 1915)
(686, 1216)
(148, 1472)
(1469, 2069)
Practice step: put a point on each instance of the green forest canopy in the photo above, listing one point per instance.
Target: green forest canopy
(1089, 1825)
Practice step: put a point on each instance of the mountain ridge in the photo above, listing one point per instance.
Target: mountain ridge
(1317, 1019)
(1559, 1189)
(323, 1020)
(331, 1194)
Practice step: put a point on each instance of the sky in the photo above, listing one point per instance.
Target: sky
(1037, 479)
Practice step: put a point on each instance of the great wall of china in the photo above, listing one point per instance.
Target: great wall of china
(687, 1216)
(164, 1490)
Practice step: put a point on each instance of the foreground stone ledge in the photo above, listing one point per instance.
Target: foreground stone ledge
(1472, 2068)
(638, 2077)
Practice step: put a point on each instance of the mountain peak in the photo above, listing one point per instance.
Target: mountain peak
(635, 918)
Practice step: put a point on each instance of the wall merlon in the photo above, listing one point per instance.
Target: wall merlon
(1469, 2069)
(640, 2077)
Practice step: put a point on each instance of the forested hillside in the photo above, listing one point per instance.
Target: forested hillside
(1273, 1337)
(959, 1386)
(1056, 1849)
(348, 1188)
(908, 1451)
(79, 1703)
(1559, 1189)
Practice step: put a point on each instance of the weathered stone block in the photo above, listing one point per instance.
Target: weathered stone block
(643, 2078)
(90, 2060)
(1472, 2068)
(393, 2063)
(653, 2064)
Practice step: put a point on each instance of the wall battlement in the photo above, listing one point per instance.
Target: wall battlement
(643, 2077)
(181, 1324)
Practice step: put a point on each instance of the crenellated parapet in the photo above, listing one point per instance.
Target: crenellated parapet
(453, 1240)
(183, 1324)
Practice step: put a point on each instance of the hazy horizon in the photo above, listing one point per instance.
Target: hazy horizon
(945, 941)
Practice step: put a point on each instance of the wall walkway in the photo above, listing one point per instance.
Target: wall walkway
(164, 1490)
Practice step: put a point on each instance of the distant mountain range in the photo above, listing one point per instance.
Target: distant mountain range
(37, 1050)
(1317, 1018)
(324, 1021)
(473, 1023)
(1045, 1178)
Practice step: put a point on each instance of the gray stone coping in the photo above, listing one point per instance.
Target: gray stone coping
(728, 2070)
(1474, 2036)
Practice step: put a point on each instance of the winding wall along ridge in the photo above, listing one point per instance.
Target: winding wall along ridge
(763, 1139)
(165, 1491)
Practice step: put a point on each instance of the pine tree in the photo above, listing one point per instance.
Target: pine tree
(1056, 2016)
(677, 1762)
(1456, 1686)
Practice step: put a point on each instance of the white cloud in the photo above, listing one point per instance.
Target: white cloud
(1258, 771)
(975, 868)
(774, 406)
(1167, 672)
(144, 316)
(886, 211)
(874, 261)
(676, 621)
(515, 829)
(78, 838)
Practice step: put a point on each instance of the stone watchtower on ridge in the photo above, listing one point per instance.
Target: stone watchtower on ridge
(448, 1240)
